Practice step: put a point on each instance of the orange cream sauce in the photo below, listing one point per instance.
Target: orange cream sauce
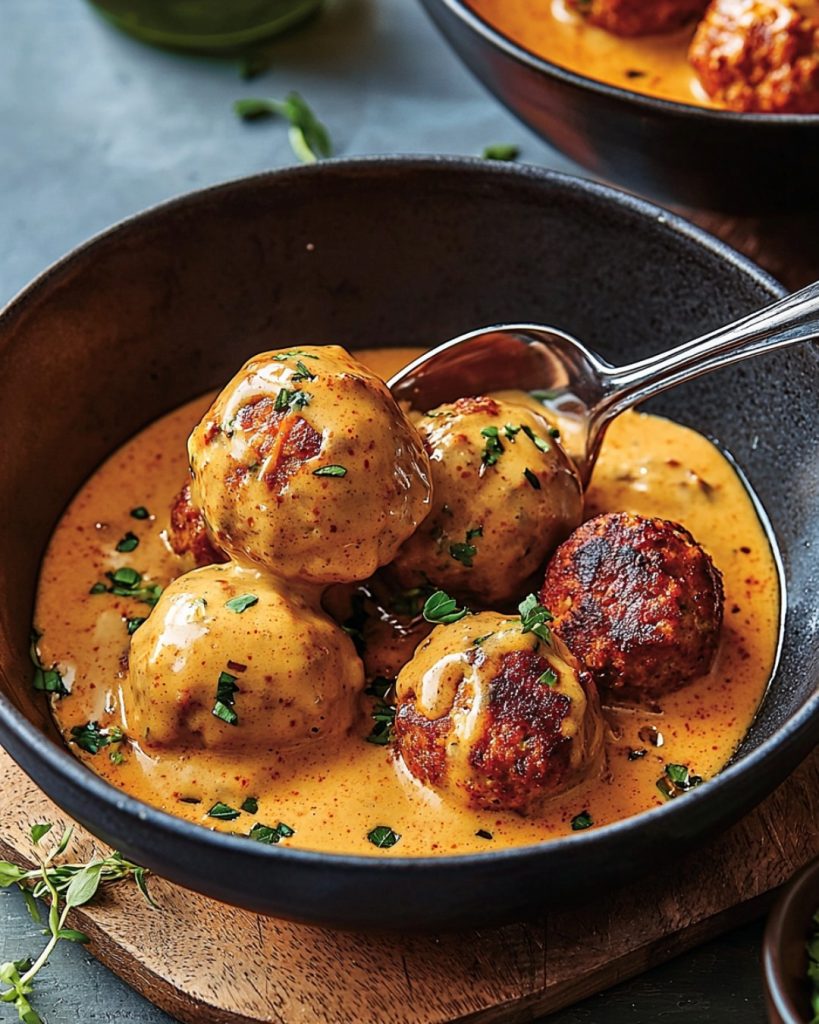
(334, 796)
(653, 65)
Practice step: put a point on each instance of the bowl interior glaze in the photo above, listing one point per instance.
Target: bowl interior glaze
(387, 252)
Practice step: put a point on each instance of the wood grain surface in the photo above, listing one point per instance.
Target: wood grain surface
(205, 962)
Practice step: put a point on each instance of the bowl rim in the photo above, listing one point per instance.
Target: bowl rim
(522, 55)
(778, 928)
(64, 767)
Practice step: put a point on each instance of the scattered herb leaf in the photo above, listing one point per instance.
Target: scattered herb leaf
(303, 373)
(383, 715)
(480, 639)
(250, 804)
(504, 151)
(483, 834)
(128, 542)
(532, 478)
(270, 835)
(330, 471)
(581, 821)
(383, 837)
(538, 442)
(549, 678)
(140, 512)
(223, 812)
(533, 618)
(241, 603)
(291, 401)
(493, 448)
(309, 138)
(132, 625)
(46, 680)
(441, 609)
(226, 690)
(676, 781)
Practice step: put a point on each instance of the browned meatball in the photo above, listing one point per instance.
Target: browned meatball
(759, 55)
(495, 717)
(637, 601)
(188, 533)
(639, 17)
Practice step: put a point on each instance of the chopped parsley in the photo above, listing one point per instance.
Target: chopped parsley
(483, 834)
(677, 780)
(91, 738)
(480, 639)
(549, 678)
(128, 542)
(493, 448)
(223, 812)
(140, 512)
(538, 442)
(309, 138)
(441, 609)
(465, 552)
(226, 690)
(270, 835)
(510, 430)
(241, 603)
(46, 680)
(283, 356)
(290, 401)
(330, 471)
(533, 480)
(504, 151)
(302, 374)
(533, 618)
(133, 624)
(383, 716)
(127, 582)
(250, 805)
(383, 837)
(581, 821)
(117, 757)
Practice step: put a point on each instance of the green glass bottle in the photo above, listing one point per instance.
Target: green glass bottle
(205, 25)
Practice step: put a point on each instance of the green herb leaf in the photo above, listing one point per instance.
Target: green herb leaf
(291, 401)
(38, 831)
(241, 603)
(133, 624)
(116, 757)
(284, 356)
(581, 821)
(441, 609)
(538, 442)
(493, 448)
(676, 781)
(98, 588)
(533, 618)
(250, 805)
(678, 773)
(379, 687)
(90, 737)
(504, 151)
(223, 812)
(549, 678)
(125, 577)
(140, 512)
(72, 935)
(480, 639)
(9, 873)
(46, 680)
(483, 834)
(532, 478)
(383, 837)
(309, 138)
(383, 715)
(303, 373)
(271, 835)
(83, 886)
(330, 471)
(225, 713)
(128, 542)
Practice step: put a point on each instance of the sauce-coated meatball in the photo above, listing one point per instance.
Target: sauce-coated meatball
(229, 659)
(759, 55)
(639, 17)
(495, 717)
(306, 466)
(188, 531)
(504, 496)
(638, 602)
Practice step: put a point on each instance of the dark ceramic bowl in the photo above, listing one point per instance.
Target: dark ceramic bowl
(403, 252)
(785, 958)
(748, 163)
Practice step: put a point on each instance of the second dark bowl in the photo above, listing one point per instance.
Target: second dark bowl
(699, 157)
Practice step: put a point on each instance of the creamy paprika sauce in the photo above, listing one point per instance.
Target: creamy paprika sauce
(331, 796)
(655, 65)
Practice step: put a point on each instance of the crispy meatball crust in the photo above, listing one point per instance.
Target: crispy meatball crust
(504, 724)
(639, 17)
(188, 532)
(504, 496)
(759, 56)
(638, 602)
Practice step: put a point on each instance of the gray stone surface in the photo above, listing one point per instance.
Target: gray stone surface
(94, 127)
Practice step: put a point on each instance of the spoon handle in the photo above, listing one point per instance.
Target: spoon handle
(786, 322)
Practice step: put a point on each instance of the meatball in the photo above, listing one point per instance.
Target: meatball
(230, 659)
(759, 55)
(639, 17)
(188, 532)
(638, 602)
(504, 496)
(306, 466)
(496, 717)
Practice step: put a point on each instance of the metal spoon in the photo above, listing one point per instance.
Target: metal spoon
(585, 391)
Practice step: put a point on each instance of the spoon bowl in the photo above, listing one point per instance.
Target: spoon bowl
(584, 391)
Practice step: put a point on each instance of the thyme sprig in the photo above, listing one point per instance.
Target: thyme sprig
(65, 886)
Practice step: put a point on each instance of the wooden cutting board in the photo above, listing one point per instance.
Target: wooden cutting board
(204, 962)
(207, 963)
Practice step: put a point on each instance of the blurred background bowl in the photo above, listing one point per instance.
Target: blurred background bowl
(390, 251)
(785, 957)
(680, 153)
